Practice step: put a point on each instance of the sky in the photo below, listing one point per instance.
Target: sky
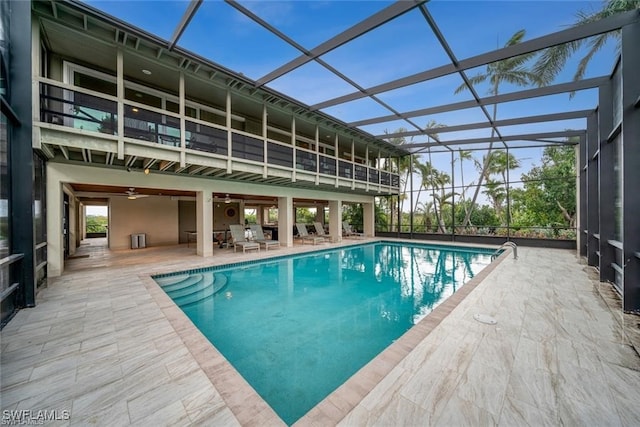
(400, 48)
(97, 210)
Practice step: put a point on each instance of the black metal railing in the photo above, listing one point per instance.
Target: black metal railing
(206, 138)
(306, 160)
(80, 110)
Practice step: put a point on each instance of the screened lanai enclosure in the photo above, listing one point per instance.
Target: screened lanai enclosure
(551, 176)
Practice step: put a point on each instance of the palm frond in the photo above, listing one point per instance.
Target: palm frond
(596, 44)
(552, 60)
(477, 79)
(516, 38)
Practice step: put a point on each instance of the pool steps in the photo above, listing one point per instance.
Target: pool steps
(180, 283)
(505, 245)
(185, 289)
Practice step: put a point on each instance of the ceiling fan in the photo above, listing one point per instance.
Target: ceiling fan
(133, 195)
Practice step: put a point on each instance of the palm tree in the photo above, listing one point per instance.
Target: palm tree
(500, 163)
(425, 210)
(437, 181)
(463, 155)
(403, 164)
(404, 168)
(553, 59)
(496, 192)
(424, 169)
(513, 71)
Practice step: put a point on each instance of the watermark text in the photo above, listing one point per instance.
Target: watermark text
(31, 417)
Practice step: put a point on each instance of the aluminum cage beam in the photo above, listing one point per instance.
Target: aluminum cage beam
(605, 25)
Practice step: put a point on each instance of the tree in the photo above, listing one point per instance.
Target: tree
(404, 166)
(432, 178)
(353, 214)
(463, 155)
(499, 163)
(426, 210)
(305, 215)
(96, 224)
(553, 59)
(482, 216)
(549, 194)
(513, 71)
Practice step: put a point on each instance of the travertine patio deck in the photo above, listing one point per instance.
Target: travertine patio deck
(107, 345)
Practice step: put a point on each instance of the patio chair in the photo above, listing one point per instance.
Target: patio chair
(320, 231)
(237, 233)
(348, 231)
(305, 236)
(258, 236)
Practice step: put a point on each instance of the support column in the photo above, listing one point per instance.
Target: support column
(606, 159)
(73, 222)
(21, 153)
(204, 223)
(285, 221)
(593, 210)
(581, 194)
(335, 219)
(55, 243)
(630, 167)
(83, 222)
(369, 219)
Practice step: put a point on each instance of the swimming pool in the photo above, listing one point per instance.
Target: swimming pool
(297, 327)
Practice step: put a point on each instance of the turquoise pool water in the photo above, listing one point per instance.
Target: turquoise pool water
(297, 327)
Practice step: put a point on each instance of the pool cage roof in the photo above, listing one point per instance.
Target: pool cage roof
(402, 107)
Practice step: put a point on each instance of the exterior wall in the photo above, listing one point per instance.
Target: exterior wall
(155, 216)
(186, 219)
(225, 214)
(221, 217)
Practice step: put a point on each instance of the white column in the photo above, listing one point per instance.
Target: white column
(285, 221)
(204, 223)
(369, 219)
(55, 244)
(335, 219)
(73, 223)
(82, 221)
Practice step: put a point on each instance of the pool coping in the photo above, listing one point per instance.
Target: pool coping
(251, 409)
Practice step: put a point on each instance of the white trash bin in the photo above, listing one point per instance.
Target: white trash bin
(138, 241)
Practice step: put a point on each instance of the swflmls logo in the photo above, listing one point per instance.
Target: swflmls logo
(30, 417)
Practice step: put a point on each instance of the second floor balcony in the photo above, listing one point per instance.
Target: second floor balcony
(81, 124)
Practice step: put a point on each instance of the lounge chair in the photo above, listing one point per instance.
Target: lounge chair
(348, 231)
(305, 236)
(258, 236)
(237, 233)
(320, 231)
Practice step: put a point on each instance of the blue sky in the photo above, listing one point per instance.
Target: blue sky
(400, 48)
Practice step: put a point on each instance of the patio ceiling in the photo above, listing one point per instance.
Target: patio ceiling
(314, 63)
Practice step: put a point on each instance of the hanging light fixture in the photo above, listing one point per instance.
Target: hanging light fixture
(227, 199)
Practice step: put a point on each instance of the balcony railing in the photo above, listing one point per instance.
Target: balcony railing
(85, 110)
